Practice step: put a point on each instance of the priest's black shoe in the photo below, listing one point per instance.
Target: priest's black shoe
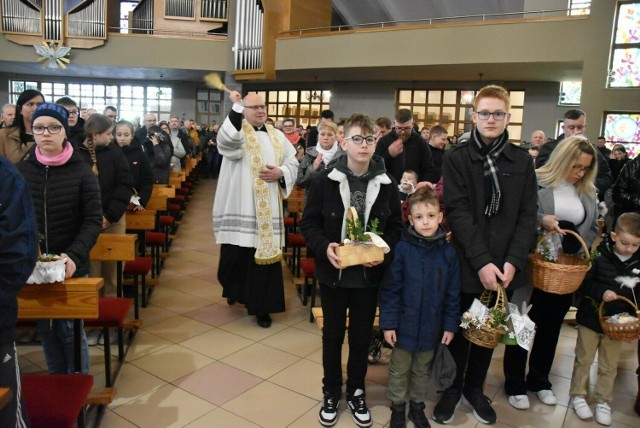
(264, 321)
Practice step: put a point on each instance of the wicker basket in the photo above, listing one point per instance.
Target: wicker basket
(628, 331)
(486, 336)
(563, 276)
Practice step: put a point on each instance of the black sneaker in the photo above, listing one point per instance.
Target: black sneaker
(358, 406)
(416, 415)
(443, 412)
(481, 405)
(328, 415)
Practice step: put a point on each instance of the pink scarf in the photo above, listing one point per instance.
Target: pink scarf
(57, 160)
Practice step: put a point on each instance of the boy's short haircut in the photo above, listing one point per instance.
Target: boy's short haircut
(404, 115)
(383, 122)
(327, 114)
(330, 125)
(362, 120)
(437, 130)
(410, 171)
(628, 223)
(425, 195)
(66, 102)
(492, 91)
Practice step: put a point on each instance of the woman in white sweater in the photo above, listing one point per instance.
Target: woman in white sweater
(566, 197)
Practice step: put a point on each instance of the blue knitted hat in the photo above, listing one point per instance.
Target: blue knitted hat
(55, 111)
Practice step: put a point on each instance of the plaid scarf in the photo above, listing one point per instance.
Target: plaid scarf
(489, 154)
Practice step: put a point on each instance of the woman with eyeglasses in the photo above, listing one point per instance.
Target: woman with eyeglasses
(566, 200)
(66, 198)
(17, 139)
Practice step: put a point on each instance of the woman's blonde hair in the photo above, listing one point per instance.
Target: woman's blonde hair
(563, 159)
(330, 125)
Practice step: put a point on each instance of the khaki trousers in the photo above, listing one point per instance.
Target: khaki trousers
(587, 344)
(409, 375)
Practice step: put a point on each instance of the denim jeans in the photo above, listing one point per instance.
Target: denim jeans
(57, 342)
(361, 303)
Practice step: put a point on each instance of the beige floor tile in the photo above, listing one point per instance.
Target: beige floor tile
(165, 407)
(185, 282)
(178, 329)
(218, 314)
(113, 420)
(248, 327)
(220, 418)
(217, 343)
(153, 314)
(292, 316)
(303, 377)
(217, 383)
(172, 362)
(310, 327)
(294, 341)
(185, 267)
(545, 416)
(258, 404)
(133, 382)
(182, 303)
(144, 344)
(196, 257)
(261, 360)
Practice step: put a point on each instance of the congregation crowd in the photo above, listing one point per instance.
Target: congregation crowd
(458, 214)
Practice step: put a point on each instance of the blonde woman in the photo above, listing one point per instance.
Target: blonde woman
(318, 157)
(566, 199)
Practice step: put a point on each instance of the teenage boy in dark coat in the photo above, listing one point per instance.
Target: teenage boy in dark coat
(490, 198)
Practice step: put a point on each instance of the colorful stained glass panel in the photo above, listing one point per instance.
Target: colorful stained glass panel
(624, 128)
(625, 68)
(628, 30)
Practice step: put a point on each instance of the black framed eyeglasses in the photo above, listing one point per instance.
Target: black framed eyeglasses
(52, 129)
(497, 115)
(358, 139)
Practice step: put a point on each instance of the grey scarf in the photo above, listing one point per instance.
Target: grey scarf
(489, 154)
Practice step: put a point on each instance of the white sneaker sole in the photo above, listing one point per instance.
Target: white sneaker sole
(452, 415)
(475, 415)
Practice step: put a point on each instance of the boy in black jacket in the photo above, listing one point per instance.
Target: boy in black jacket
(606, 280)
(358, 179)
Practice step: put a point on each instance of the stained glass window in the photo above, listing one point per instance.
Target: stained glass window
(570, 93)
(624, 128)
(579, 7)
(625, 58)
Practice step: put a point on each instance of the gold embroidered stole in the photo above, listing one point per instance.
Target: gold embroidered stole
(268, 250)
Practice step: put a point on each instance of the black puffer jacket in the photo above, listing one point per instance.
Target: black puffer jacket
(114, 176)
(159, 159)
(67, 204)
(600, 278)
(140, 170)
(626, 189)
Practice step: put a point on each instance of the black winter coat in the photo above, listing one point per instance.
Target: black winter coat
(600, 278)
(68, 210)
(140, 170)
(323, 218)
(416, 156)
(626, 189)
(159, 159)
(114, 176)
(508, 236)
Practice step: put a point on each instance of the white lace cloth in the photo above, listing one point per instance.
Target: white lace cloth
(48, 272)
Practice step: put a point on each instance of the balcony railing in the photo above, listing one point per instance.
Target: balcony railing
(537, 14)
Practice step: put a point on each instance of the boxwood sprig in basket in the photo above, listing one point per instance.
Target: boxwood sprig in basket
(357, 233)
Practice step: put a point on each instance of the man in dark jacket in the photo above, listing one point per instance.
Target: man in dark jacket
(18, 250)
(490, 198)
(404, 148)
(575, 122)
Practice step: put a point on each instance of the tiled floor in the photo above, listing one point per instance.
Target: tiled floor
(200, 363)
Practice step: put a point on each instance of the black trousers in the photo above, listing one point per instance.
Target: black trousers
(472, 361)
(259, 287)
(548, 313)
(361, 303)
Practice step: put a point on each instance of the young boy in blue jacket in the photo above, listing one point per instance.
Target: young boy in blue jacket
(419, 300)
